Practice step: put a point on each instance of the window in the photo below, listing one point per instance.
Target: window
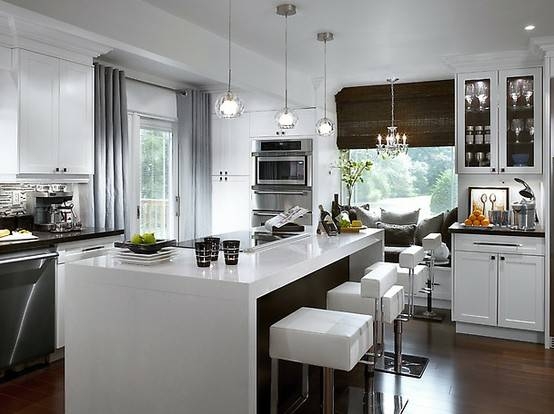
(424, 178)
(153, 175)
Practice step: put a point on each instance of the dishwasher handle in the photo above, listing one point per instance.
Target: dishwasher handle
(28, 258)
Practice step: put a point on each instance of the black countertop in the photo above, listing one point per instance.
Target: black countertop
(46, 239)
(496, 230)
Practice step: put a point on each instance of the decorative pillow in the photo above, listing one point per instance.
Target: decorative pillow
(368, 217)
(398, 234)
(410, 217)
(450, 218)
(427, 226)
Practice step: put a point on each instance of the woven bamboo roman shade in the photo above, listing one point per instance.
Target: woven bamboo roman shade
(424, 111)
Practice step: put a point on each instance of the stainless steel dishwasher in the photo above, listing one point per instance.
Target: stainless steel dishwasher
(27, 306)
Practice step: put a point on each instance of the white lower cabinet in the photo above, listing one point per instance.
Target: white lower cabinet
(230, 204)
(521, 292)
(501, 287)
(60, 306)
(475, 287)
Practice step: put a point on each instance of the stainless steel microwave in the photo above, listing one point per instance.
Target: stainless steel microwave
(283, 162)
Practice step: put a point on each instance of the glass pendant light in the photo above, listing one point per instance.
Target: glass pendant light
(325, 127)
(286, 118)
(229, 105)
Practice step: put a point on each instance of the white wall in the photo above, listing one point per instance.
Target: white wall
(151, 100)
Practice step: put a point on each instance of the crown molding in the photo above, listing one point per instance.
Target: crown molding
(509, 59)
(542, 46)
(36, 33)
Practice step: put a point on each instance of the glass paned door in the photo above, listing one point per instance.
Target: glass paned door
(477, 129)
(153, 177)
(478, 123)
(520, 129)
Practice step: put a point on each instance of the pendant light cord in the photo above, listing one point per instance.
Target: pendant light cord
(325, 78)
(286, 62)
(229, 40)
(392, 101)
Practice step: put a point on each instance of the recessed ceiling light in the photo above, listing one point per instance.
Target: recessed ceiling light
(529, 27)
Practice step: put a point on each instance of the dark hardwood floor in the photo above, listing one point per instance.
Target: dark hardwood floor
(466, 374)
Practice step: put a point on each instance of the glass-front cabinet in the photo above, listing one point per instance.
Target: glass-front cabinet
(477, 122)
(520, 121)
(499, 122)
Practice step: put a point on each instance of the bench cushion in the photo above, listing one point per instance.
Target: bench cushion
(321, 337)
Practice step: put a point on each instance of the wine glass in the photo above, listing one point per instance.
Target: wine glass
(482, 92)
(515, 92)
(517, 127)
(470, 93)
(530, 126)
(527, 90)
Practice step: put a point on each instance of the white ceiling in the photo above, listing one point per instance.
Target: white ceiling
(374, 38)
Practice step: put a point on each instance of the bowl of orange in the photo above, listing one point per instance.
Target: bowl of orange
(477, 219)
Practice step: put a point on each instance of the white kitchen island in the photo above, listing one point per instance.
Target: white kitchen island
(176, 338)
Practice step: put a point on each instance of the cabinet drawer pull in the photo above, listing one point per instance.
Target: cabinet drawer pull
(498, 244)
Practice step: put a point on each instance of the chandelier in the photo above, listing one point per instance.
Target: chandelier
(393, 144)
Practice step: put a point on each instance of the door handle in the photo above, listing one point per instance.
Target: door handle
(497, 244)
(256, 213)
(28, 258)
(281, 192)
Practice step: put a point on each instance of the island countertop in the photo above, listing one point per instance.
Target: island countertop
(176, 338)
(261, 271)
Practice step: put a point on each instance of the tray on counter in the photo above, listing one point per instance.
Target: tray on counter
(146, 248)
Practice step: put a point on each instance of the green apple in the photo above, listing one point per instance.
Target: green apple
(136, 239)
(148, 238)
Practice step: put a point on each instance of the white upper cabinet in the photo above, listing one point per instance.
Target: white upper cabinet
(520, 121)
(231, 146)
(76, 134)
(52, 131)
(39, 87)
(499, 122)
(263, 124)
(230, 204)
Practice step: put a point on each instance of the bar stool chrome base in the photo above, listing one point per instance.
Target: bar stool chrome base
(412, 366)
(379, 403)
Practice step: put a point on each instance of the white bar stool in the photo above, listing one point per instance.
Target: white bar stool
(409, 260)
(329, 339)
(431, 242)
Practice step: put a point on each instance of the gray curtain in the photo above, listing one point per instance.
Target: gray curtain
(195, 163)
(111, 147)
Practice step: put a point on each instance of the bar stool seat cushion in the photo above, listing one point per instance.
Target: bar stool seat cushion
(411, 257)
(322, 338)
(432, 241)
(348, 298)
(379, 278)
(393, 303)
(420, 278)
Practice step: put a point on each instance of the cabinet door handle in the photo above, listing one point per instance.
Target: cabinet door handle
(502, 258)
(493, 257)
(221, 172)
(64, 169)
(225, 178)
(220, 178)
(493, 169)
(225, 172)
(498, 244)
(503, 170)
(57, 169)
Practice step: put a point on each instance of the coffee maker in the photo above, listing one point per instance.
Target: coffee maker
(52, 208)
(524, 213)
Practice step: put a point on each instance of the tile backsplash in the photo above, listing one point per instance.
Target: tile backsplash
(7, 202)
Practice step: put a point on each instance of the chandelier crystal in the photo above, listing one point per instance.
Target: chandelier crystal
(286, 118)
(229, 105)
(393, 144)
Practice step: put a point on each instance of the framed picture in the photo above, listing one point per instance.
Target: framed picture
(487, 199)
